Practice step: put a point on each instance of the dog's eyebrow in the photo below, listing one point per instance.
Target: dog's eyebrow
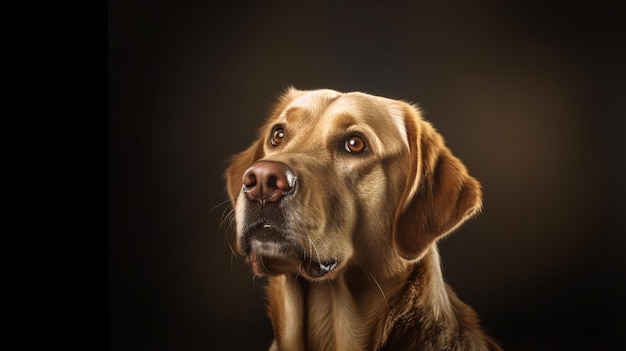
(292, 113)
(343, 121)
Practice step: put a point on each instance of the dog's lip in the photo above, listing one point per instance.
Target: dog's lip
(320, 269)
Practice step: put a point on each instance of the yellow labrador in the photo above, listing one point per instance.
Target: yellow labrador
(340, 202)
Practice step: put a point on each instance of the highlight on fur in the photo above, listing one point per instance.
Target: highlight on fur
(340, 203)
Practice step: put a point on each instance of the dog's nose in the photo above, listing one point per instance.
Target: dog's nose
(268, 181)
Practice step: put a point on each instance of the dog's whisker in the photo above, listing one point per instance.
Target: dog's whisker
(311, 246)
(370, 276)
(254, 280)
(232, 251)
(228, 219)
(319, 259)
(228, 216)
(263, 264)
(218, 205)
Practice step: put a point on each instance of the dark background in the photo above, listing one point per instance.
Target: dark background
(529, 95)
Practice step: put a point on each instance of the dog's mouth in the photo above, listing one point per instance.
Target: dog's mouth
(269, 252)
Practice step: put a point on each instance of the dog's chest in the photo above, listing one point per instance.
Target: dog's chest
(321, 317)
(333, 321)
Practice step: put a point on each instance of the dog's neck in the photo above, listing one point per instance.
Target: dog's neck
(344, 313)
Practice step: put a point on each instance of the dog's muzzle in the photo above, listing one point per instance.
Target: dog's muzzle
(269, 246)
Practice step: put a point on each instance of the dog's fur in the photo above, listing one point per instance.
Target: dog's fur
(349, 246)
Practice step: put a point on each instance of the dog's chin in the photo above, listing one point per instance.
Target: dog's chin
(271, 258)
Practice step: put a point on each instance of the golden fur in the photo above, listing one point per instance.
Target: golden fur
(349, 245)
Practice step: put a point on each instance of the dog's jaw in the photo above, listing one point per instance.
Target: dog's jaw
(270, 252)
(264, 264)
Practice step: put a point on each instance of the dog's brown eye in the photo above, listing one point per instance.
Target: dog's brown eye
(277, 136)
(355, 144)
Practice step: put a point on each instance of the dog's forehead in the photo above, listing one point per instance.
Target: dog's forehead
(315, 101)
(376, 111)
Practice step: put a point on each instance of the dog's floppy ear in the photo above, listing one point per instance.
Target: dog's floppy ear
(439, 194)
(240, 162)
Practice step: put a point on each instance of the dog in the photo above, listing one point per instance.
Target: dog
(340, 203)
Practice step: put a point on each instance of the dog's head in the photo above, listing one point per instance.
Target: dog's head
(336, 178)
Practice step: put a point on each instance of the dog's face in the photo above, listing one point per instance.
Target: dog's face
(331, 182)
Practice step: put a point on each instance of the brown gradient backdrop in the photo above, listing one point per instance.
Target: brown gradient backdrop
(526, 94)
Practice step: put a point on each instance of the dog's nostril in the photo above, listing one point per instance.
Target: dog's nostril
(287, 182)
(272, 182)
(249, 180)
